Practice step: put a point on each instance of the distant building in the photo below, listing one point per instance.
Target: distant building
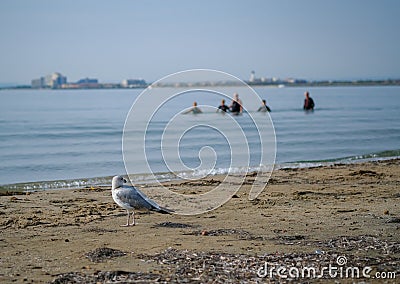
(87, 83)
(252, 76)
(133, 83)
(53, 81)
(38, 83)
(266, 80)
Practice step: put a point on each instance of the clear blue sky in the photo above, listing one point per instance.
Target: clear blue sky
(115, 40)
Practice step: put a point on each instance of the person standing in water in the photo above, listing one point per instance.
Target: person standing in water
(195, 109)
(223, 107)
(308, 102)
(236, 105)
(264, 107)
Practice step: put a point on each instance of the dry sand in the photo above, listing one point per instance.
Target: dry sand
(303, 217)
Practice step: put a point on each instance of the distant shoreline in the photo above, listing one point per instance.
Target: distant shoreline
(326, 83)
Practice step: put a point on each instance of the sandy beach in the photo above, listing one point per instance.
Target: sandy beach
(304, 217)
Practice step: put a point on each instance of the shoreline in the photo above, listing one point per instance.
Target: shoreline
(308, 216)
(279, 84)
(65, 184)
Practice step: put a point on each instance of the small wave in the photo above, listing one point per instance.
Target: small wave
(144, 178)
(57, 184)
(168, 176)
(378, 156)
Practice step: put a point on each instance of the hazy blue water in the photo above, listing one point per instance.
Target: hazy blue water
(71, 134)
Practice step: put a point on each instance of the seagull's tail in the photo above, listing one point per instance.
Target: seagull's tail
(164, 210)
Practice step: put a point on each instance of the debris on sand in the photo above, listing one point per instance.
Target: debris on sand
(184, 266)
(101, 254)
(173, 225)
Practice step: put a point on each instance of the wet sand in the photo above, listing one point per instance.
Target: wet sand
(303, 217)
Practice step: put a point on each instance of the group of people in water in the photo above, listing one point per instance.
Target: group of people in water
(236, 107)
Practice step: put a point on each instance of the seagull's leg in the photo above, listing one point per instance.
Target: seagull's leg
(133, 218)
(127, 220)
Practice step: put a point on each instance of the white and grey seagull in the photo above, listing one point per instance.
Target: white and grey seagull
(131, 198)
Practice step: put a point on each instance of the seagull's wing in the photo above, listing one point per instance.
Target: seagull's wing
(129, 196)
(154, 205)
(138, 199)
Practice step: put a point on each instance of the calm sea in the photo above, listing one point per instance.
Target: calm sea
(69, 138)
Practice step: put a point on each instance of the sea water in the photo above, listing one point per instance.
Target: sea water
(71, 138)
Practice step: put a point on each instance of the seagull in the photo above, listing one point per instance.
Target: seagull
(131, 198)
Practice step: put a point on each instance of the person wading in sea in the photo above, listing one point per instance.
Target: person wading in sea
(308, 102)
(194, 109)
(223, 107)
(236, 105)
